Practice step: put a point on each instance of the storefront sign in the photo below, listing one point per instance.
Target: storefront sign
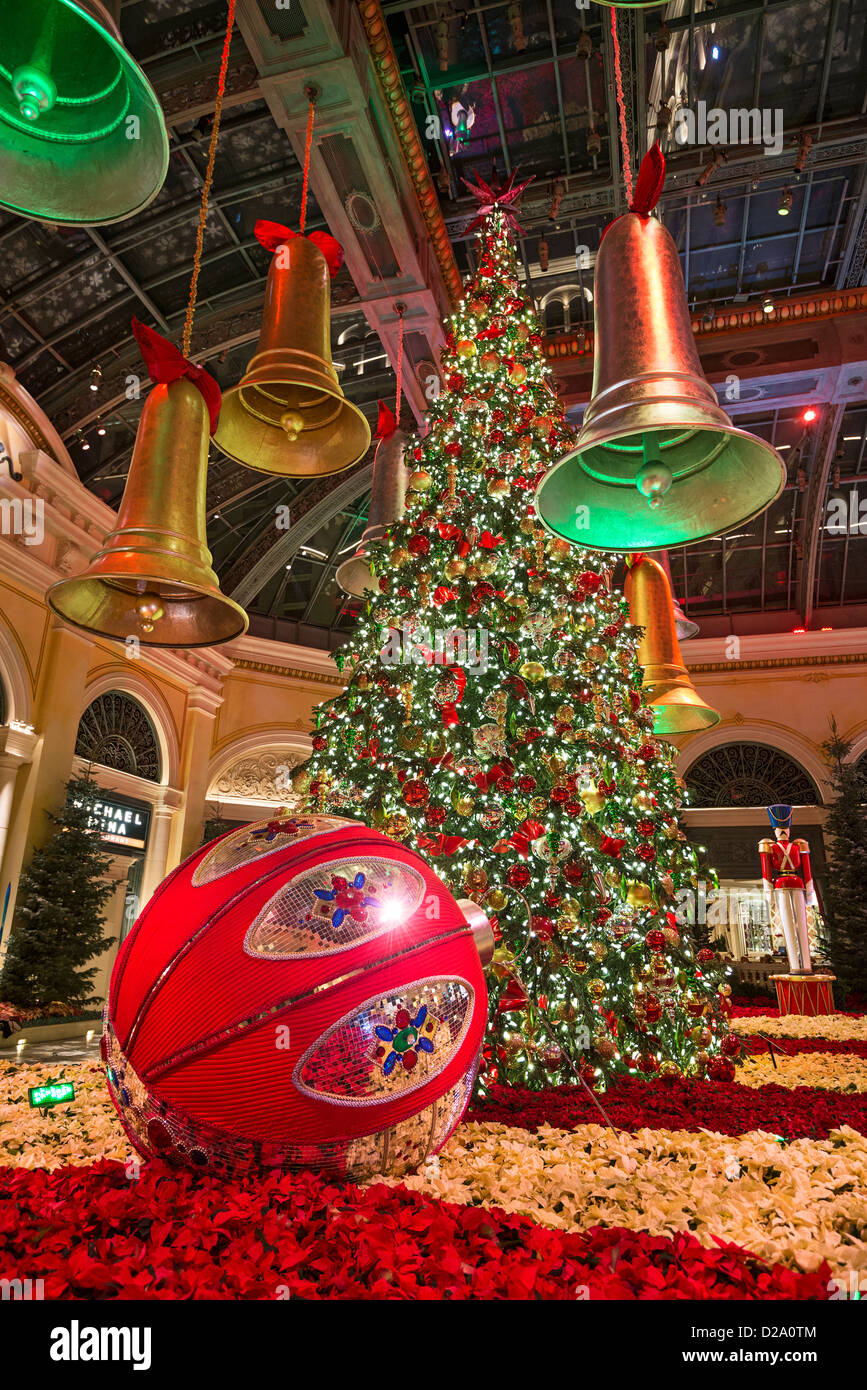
(123, 825)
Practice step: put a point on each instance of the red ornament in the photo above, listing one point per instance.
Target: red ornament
(320, 742)
(589, 581)
(646, 852)
(645, 827)
(647, 752)
(456, 381)
(259, 1014)
(573, 872)
(416, 793)
(527, 783)
(543, 927)
(705, 955)
(435, 815)
(454, 449)
(418, 545)
(655, 940)
(731, 1045)
(518, 875)
(721, 1069)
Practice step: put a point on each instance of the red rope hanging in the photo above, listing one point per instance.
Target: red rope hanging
(312, 94)
(399, 368)
(621, 107)
(209, 178)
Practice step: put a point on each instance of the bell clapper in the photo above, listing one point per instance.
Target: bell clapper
(34, 91)
(149, 610)
(293, 423)
(653, 479)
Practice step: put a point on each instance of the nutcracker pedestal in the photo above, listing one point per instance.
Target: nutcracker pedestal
(811, 995)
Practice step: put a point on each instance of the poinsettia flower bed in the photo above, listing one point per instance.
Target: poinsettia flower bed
(81, 1132)
(836, 1027)
(789, 1046)
(835, 1073)
(94, 1233)
(726, 1107)
(801, 1203)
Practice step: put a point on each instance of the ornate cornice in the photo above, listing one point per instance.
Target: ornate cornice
(777, 663)
(290, 672)
(792, 312)
(388, 71)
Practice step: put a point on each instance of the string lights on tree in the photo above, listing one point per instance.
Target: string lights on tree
(493, 719)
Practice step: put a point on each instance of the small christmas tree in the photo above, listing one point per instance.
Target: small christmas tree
(493, 718)
(844, 899)
(59, 913)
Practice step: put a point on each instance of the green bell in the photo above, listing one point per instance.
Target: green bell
(657, 462)
(82, 135)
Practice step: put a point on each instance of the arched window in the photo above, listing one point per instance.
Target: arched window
(749, 774)
(555, 316)
(116, 732)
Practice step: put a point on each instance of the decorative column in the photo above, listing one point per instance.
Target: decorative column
(56, 714)
(156, 862)
(198, 741)
(17, 742)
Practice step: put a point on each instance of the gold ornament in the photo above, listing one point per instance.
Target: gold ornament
(398, 827)
(400, 556)
(420, 480)
(533, 671)
(496, 900)
(466, 348)
(475, 881)
(556, 684)
(499, 487)
(638, 895)
(593, 799)
(596, 988)
(489, 361)
(565, 713)
(455, 568)
(463, 804)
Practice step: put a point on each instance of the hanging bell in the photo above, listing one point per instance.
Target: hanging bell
(677, 706)
(657, 462)
(386, 507)
(288, 414)
(152, 578)
(683, 626)
(82, 135)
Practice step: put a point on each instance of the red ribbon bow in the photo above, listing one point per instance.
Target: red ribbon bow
(272, 235)
(439, 844)
(165, 364)
(386, 424)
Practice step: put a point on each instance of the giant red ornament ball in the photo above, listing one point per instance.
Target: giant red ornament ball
(301, 992)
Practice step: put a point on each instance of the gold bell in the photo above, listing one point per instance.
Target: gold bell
(288, 414)
(152, 578)
(657, 462)
(387, 499)
(677, 706)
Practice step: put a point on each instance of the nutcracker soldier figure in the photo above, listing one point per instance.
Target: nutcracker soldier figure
(787, 877)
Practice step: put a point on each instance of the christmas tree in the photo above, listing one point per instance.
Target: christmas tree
(58, 916)
(493, 719)
(846, 907)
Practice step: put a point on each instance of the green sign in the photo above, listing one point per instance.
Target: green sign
(53, 1093)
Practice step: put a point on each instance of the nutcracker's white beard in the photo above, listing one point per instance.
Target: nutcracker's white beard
(792, 909)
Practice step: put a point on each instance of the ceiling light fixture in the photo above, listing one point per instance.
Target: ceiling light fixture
(767, 305)
(785, 206)
(96, 378)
